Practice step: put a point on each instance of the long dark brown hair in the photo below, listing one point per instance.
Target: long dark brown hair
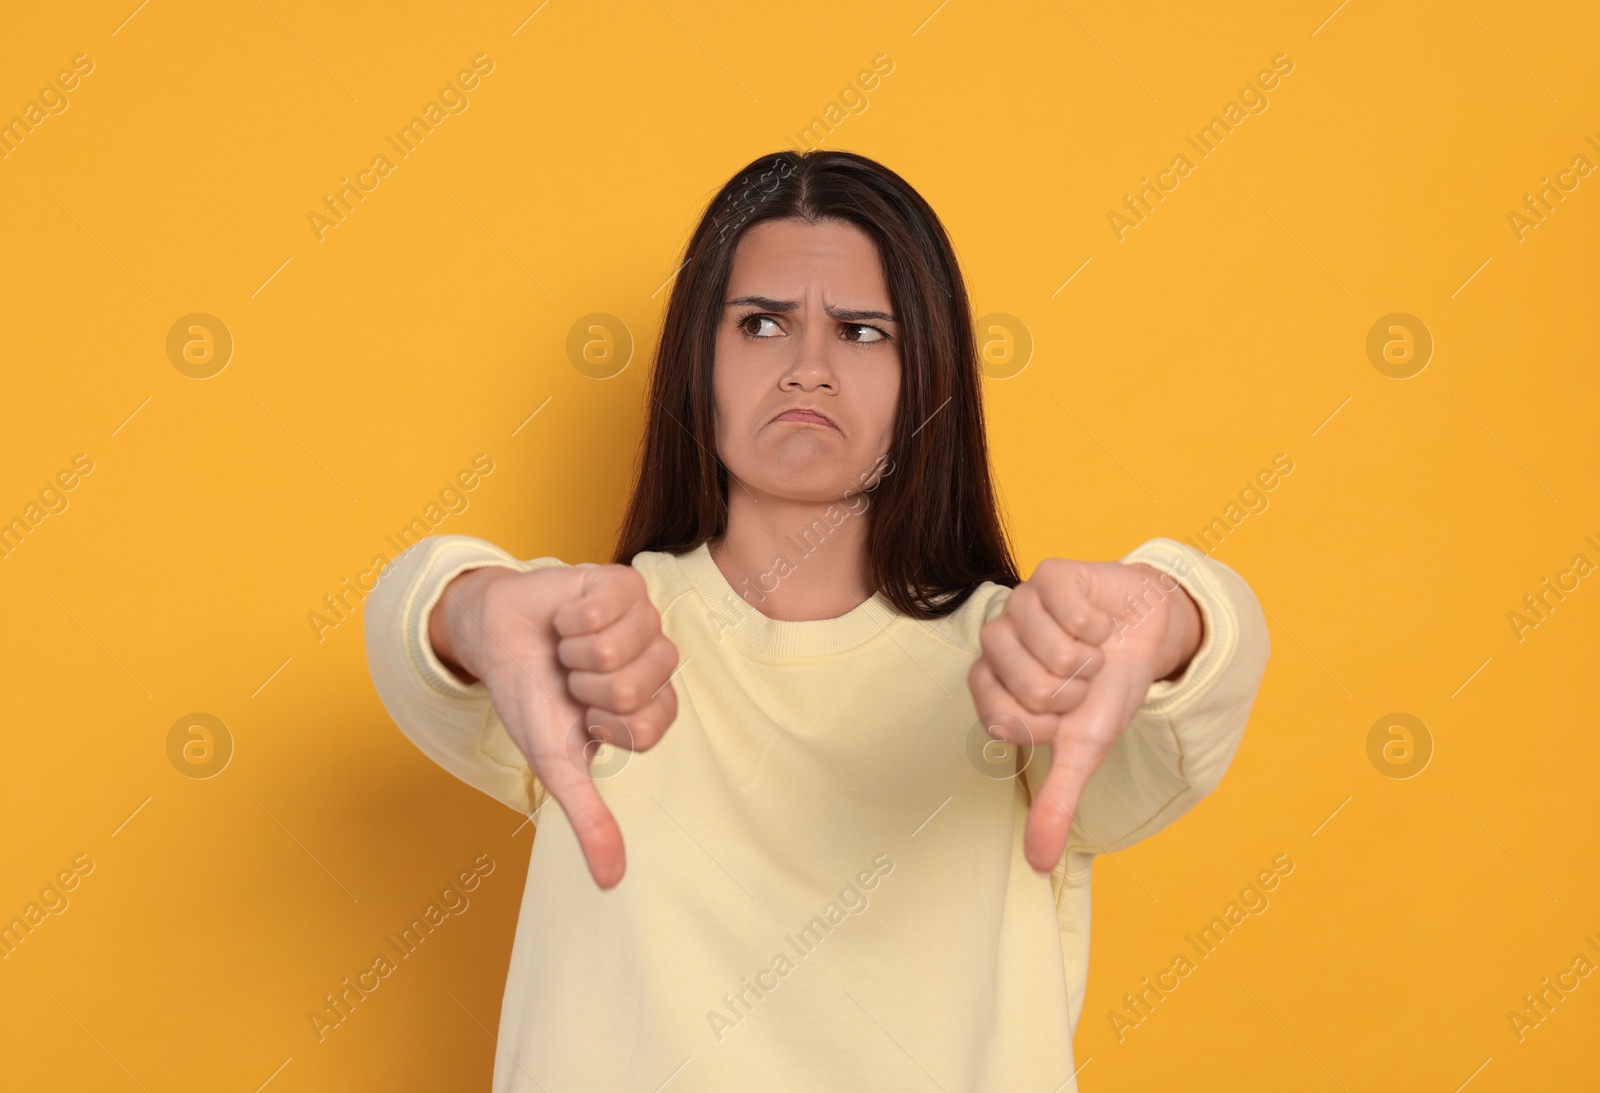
(935, 532)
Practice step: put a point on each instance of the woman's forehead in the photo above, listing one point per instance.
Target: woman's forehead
(779, 259)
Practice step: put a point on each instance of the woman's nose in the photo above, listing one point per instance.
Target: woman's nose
(812, 366)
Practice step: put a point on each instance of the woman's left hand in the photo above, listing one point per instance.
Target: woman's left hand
(1067, 664)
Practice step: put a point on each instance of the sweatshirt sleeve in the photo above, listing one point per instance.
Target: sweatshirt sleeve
(453, 723)
(1185, 733)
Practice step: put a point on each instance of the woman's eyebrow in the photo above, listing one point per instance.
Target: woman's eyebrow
(842, 314)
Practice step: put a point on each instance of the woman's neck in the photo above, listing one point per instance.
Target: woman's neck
(794, 560)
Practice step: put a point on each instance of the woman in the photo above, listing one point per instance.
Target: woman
(828, 883)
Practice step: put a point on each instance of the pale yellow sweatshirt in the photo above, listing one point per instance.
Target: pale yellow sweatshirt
(826, 888)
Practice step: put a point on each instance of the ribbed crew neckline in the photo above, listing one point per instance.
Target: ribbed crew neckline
(744, 624)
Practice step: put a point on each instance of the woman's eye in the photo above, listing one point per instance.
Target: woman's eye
(757, 319)
(877, 335)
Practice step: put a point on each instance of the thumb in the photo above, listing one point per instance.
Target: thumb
(1081, 741)
(570, 783)
(1055, 804)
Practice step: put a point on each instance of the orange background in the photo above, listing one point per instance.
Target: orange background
(1166, 370)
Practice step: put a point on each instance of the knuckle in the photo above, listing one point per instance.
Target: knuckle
(625, 695)
(647, 733)
(624, 734)
(606, 654)
(1038, 695)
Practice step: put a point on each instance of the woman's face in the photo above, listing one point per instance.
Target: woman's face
(806, 323)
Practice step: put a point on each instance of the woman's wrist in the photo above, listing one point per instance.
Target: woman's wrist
(1187, 629)
(454, 611)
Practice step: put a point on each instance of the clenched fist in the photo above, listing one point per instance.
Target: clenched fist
(570, 655)
(1067, 664)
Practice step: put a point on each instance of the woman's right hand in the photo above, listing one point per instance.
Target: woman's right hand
(570, 655)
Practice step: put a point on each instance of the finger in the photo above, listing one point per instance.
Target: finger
(1003, 717)
(1023, 676)
(1055, 804)
(605, 593)
(640, 730)
(631, 687)
(1081, 742)
(566, 775)
(1051, 644)
(1071, 592)
(612, 646)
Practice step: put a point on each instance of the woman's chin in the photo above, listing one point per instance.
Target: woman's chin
(808, 465)
(818, 485)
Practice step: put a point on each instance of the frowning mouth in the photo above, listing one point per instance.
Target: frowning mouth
(807, 414)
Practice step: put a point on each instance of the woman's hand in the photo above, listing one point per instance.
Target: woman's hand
(570, 655)
(1067, 664)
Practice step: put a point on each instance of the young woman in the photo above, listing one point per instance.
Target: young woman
(798, 687)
